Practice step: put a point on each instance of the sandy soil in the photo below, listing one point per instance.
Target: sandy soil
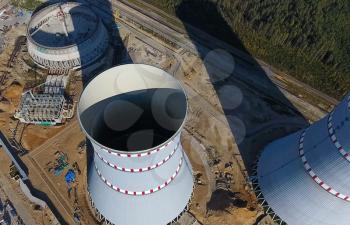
(34, 136)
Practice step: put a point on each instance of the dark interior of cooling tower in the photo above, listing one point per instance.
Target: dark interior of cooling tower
(137, 120)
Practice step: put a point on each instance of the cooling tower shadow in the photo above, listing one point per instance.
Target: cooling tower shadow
(119, 55)
(256, 110)
(116, 53)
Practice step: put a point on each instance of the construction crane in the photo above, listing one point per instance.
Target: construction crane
(62, 17)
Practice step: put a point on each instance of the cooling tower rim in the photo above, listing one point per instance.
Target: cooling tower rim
(38, 13)
(142, 152)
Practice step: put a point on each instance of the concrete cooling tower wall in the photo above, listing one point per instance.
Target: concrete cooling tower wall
(305, 177)
(133, 116)
(66, 36)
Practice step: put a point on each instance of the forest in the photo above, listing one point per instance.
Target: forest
(27, 4)
(306, 39)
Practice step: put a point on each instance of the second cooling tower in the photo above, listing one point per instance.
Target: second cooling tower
(133, 116)
(305, 177)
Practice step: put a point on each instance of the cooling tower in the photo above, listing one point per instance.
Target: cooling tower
(66, 36)
(133, 116)
(305, 177)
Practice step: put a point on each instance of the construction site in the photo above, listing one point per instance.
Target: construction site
(46, 104)
(40, 96)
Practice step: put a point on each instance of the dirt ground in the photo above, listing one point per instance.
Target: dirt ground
(17, 77)
(11, 187)
(42, 160)
(34, 136)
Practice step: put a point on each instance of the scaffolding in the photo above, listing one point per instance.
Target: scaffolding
(254, 182)
(55, 84)
(43, 109)
(48, 106)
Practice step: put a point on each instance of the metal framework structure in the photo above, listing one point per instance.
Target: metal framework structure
(66, 36)
(55, 85)
(48, 106)
(254, 181)
(43, 109)
(148, 179)
(304, 178)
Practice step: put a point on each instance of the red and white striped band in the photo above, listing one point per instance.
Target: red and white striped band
(138, 170)
(134, 155)
(138, 193)
(312, 173)
(334, 138)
